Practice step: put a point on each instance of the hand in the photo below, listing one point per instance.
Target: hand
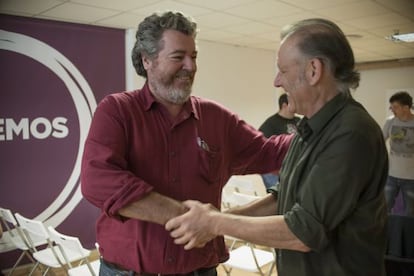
(195, 227)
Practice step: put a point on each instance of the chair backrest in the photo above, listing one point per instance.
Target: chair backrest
(33, 230)
(7, 218)
(242, 199)
(14, 231)
(236, 184)
(11, 238)
(71, 248)
(66, 242)
(241, 185)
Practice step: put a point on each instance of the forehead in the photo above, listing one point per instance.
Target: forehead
(173, 40)
(288, 52)
(396, 104)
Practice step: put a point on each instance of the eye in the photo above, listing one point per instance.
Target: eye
(179, 57)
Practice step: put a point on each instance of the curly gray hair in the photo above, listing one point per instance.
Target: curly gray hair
(148, 36)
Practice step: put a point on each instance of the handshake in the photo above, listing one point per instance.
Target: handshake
(195, 227)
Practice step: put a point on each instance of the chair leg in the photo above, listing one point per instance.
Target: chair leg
(44, 273)
(273, 265)
(17, 263)
(33, 269)
(227, 270)
(24, 253)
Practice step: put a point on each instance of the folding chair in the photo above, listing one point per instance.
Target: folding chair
(72, 250)
(9, 231)
(14, 238)
(246, 256)
(51, 256)
(238, 199)
(239, 185)
(92, 268)
(249, 258)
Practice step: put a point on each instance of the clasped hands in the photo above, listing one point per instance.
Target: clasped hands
(194, 228)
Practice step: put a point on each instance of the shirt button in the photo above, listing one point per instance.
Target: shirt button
(172, 154)
(170, 260)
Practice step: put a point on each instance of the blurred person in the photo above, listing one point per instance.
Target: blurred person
(284, 121)
(329, 215)
(399, 130)
(150, 149)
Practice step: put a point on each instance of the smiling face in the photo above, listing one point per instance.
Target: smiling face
(291, 76)
(171, 73)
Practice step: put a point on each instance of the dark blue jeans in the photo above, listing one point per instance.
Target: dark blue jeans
(406, 186)
(107, 269)
(270, 180)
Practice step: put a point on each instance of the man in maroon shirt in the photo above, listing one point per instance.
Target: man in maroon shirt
(150, 149)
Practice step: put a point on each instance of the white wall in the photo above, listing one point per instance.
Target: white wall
(375, 84)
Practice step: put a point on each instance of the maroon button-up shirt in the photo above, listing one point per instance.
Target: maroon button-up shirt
(134, 147)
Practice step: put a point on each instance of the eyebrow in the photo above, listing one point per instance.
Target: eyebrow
(181, 52)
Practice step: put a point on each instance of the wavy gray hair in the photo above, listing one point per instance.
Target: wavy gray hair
(323, 39)
(148, 36)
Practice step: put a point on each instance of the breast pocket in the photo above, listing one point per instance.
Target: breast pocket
(210, 163)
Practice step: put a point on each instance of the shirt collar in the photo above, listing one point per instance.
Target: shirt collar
(304, 129)
(316, 123)
(149, 101)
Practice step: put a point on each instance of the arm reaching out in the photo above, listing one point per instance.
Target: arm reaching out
(202, 223)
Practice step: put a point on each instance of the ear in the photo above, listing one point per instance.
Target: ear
(146, 62)
(314, 71)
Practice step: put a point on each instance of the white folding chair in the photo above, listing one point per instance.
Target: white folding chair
(92, 268)
(6, 243)
(246, 256)
(242, 185)
(236, 184)
(51, 256)
(238, 199)
(14, 238)
(72, 250)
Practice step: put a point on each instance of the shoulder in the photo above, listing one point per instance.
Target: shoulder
(120, 97)
(118, 103)
(355, 121)
(206, 105)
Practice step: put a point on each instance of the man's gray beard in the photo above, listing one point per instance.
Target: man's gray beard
(173, 95)
(179, 96)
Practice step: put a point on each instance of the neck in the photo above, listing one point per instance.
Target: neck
(321, 94)
(286, 113)
(406, 116)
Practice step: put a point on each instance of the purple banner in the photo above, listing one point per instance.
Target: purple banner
(53, 75)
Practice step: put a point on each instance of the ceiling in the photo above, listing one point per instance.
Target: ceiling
(246, 23)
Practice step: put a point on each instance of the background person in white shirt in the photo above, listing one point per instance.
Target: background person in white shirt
(399, 129)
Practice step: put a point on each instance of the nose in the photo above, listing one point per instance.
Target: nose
(277, 82)
(189, 64)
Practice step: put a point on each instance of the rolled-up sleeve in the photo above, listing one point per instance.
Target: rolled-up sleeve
(106, 180)
(306, 227)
